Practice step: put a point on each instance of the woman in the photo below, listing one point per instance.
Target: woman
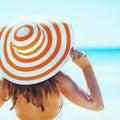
(44, 101)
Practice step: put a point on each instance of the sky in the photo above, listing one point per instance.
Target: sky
(96, 23)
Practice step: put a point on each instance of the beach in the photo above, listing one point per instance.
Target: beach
(106, 67)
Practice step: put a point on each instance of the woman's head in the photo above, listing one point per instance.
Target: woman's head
(32, 93)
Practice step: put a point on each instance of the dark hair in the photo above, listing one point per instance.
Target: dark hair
(32, 93)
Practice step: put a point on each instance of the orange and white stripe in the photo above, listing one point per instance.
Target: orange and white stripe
(33, 51)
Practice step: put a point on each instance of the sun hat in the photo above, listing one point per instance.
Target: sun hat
(34, 49)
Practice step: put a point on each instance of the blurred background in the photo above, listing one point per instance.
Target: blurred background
(96, 26)
(96, 23)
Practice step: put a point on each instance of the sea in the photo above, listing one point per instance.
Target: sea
(106, 66)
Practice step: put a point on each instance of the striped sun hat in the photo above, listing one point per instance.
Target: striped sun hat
(34, 50)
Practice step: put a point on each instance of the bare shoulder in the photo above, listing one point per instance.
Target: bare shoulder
(65, 81)
(2, 93)
(61, 77)
(3, 89)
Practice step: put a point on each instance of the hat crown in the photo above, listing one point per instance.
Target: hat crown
(23, 32)
(27, 39)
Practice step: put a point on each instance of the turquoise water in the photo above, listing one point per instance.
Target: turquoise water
(103, 56)
(106, 65)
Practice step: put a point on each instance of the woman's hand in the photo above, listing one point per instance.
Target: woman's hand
(79, 58)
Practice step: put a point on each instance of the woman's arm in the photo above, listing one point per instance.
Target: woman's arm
(91, 100)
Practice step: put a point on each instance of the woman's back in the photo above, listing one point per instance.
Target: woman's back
(27, 111)
(34, 102)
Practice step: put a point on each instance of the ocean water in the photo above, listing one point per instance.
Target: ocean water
(106, 65)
